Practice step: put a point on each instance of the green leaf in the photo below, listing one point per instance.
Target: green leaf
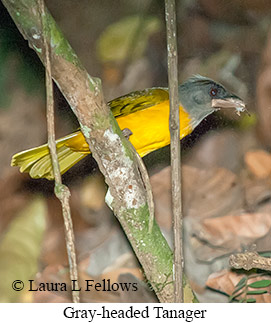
(260, 284)
(234, 296)
(242, 300)
(127, 37)
(20, 249)
(251, 300)
(242, 281)
(257, 292)
(248, 121)
(241, 284)
(265, 254)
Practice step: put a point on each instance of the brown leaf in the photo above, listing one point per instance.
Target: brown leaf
(206, 193)
(209, 193)
(204, 252)
(225, 281)
(259, 163)
(220, 236)
(264, 96)
(217, 149)
(257, 192)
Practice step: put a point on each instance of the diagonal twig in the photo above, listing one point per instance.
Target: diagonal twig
(249, 260)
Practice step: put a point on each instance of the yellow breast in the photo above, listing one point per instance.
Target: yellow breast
(150, 127)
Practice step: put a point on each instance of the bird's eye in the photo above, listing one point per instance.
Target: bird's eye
(213, 91)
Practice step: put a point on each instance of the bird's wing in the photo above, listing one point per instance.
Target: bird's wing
(138, 100)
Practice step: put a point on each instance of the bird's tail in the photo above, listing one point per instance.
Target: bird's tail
(37, 161)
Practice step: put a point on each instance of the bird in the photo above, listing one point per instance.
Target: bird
(146, 114)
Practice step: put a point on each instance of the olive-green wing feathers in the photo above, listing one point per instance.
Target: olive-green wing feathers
(137, 101)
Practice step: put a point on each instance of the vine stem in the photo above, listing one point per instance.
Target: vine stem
(61, 191)
(175, 148)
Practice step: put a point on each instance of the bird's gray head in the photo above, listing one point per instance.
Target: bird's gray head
(200, 96)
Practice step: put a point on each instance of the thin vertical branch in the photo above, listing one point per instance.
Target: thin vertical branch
(175, 149)
(62, 192)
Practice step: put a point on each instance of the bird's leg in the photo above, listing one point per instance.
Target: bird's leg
(127, 133)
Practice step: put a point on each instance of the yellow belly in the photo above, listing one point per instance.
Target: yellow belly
(150, 127)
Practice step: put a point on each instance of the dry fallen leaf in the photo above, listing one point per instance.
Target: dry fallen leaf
(257, 192)
(259, 163)
(210, 193)
(226, 280)
(204, 252)
(217, 150)
(206, 193)
(233, 230)
(263, 103)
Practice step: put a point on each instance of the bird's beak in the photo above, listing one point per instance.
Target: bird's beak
(229, 103)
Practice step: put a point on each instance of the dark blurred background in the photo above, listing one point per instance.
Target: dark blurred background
(123, 42)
